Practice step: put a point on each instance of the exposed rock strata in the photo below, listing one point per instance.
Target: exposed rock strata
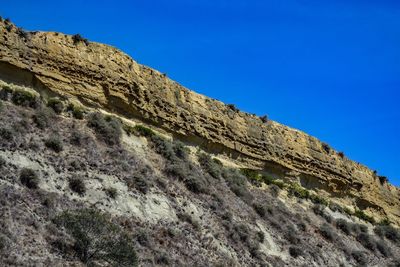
(102, 76)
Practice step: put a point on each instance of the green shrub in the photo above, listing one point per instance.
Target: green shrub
(107, 128)
(43, 117)
(298, 191)
(77, 185)
(25, 98)
(77, 111)
(97, 241)
(209, 165)
(361, 215)
(55, 143)
(316, 199)
(56, 104)
(29, 178)
(111, 192)
(144, 131)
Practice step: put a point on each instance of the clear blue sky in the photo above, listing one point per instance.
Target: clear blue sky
(329, 69)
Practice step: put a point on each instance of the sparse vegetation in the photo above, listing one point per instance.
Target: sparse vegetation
(43, 117)
(389, 232)
(383, 180)
(264, 118)
(344, 225)
(77, 38)
(295, 251)
(363, 216)
(209, 165)
(77, 111)
(97, 241)
(56, 104)
(144, 131)
(29, 178)
(326, 148)
(77, 185)
(359, 257)
(111, 192)
(107, 128)
(233, 107)
(55, 143)
(327, 231)
(25, 98)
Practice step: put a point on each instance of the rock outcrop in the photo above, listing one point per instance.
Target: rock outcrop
(101, 76)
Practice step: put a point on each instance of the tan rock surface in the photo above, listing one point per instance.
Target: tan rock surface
(102, 76)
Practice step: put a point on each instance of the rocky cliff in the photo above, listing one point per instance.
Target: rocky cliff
(101, 76)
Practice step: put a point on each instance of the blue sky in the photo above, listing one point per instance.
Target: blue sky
(329, 69)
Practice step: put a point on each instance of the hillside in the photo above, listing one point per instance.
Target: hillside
(107, 162)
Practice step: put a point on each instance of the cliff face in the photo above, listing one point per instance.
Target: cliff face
(102, 76)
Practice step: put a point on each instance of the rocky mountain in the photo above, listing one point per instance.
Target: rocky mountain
(106, 162)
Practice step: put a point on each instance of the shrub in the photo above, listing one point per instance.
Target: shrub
(316, 199)
(327, 231)
(260, 209)
(260, 237)
(341, 154)
(367, 241)
(97, 241)
(343, 225)
(180, 150)
(112, 192)
(363, 216)
(77, 38)
(264, 118)
(357, 228)
(56, 104)
(144, 131)
(77, 111)
(25, 98)
(295, 251)
(389, 232)
(77, 185)
(209, 165)
(163, 147)
(383, 179)
(106, 128)
(55, 143)
(2, 162)
(195, 184)
(326, 148)
(237, 184)
(7, 134)
(298, 191)
(383, 248)
(359, 257)
(29, 178)
(43, 117)
(232, 107)
(139, 183)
